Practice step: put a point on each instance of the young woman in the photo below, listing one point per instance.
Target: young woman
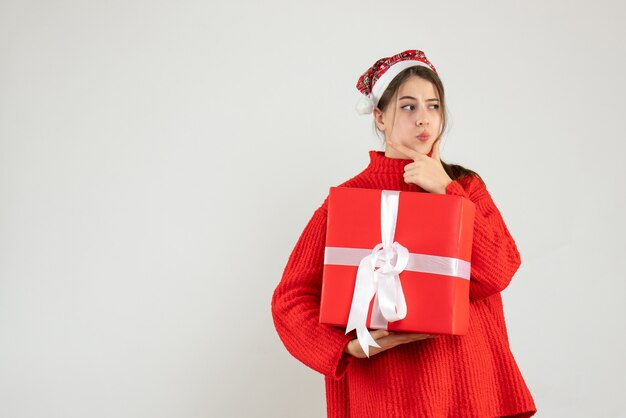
(410, 375)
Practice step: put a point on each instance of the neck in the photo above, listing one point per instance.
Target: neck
(391, 153)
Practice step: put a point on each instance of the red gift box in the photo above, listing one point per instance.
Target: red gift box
(411, 253)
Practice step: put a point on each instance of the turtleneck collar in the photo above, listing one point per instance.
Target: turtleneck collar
(379, 163)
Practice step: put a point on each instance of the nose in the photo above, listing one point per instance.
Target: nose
(421, 119)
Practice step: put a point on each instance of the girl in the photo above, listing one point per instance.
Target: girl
(410, 375)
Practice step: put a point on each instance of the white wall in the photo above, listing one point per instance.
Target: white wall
(158, 161)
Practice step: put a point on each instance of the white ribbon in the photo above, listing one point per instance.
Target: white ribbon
(382, 283)
(420, 263)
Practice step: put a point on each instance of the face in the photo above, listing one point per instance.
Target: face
(412, 118)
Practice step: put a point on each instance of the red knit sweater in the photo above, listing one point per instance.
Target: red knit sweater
(469, 376)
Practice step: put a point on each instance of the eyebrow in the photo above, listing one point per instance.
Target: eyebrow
(413, 98)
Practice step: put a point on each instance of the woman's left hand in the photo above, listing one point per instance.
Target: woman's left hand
(425, 172)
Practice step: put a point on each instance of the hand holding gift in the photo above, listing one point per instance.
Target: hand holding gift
(385, 340)
(425, 172)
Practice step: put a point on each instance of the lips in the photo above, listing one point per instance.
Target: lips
(423, 137)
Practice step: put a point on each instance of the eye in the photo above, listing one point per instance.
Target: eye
(408, 106)
(435, 107)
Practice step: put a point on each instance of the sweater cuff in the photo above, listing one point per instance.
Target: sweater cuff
(455, 188)
(343, 361)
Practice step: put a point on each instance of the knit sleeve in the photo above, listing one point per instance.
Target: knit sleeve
(296, 305)
(495, 257)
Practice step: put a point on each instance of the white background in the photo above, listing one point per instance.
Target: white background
(159, 160)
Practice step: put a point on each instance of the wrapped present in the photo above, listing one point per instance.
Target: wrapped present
(397, 260)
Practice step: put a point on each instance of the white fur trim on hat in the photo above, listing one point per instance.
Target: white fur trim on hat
(384, 80)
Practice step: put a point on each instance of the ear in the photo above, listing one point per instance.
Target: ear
(379, 118)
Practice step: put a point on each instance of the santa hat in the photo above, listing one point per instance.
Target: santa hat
(375, 80)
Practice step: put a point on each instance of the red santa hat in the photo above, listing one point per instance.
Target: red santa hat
(373, 83)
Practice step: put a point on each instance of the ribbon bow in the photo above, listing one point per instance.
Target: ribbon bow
(382, 283)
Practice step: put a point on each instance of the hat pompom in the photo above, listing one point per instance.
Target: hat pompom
(365, 105)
